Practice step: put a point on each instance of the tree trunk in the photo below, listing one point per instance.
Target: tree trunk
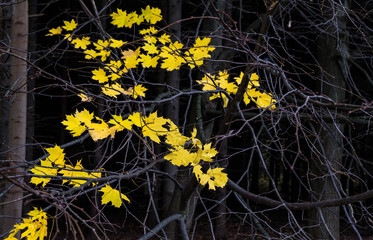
(171, 195)
(17, 108)
(326, 183)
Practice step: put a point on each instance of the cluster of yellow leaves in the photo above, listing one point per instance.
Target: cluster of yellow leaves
(151, 52)
(220, 82)
(149, 14)
(184, 151)
(183, 155)
(55, 164)
(34, 227)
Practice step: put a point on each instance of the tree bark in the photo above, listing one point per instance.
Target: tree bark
(326, 183)
(17, 108)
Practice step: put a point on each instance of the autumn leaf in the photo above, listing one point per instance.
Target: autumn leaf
(154, 127)
(151, 15)
(46, 169)
(113, 196)
(100, 75)
(213, 177)
(116, 43)
(148, 61)
(101, 45)
(34, 228)
(69, 26)
(207, 153)
(76, 123)
(98, 130)
(81, 43)
(74, 171)
(180, 156)
(56, 155)
(54, 31)
(112, 90)
(139, 91)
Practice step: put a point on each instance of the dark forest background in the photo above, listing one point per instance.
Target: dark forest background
(301, 171)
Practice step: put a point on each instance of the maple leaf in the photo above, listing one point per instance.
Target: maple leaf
(172, 63)
(69, 26)
(122, 19)
(101, 45)
(112, 90)
(150, 48)
(81, 43)
(100, 75)
(180, 156)
(207, 153)
(149, 31)
(45, 168)
(136, 119)
(131, 58)
(120, 124)
(264, 100)
(116, 43)
(84, 116)
(151, 15)
(148, 62)
(139, 90)
(85, 98)
(214, 177)
(98, 130)
(174, 137)
(77, 171)
(72, 124)
(91, 54)
(56, 155)
(113, 196)
(208, 82)
(154, 127)
(35, 227)
(165, 38)
(54, 31)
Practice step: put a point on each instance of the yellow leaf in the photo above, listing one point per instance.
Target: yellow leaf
(149, 31)
(54, 31)
(136, 119)
(113, 196)
(207, 153)
(150, 48)
(151, 15)
(45, 168)
(77, 171)
(139, 90)
(100, 75)
(84, 116)
(179, 156)
(122, 19)
(91, 54)
(98, 130)
(116, 43)
(101, 45)
(165, 38)
(34, 228)
(56, 155)
(214, 177)
(75, 127)
(69, 26)
(81, 43)
(154, 127)
(148, 61)
(112, 90)
(85, 98)
(120, 124)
